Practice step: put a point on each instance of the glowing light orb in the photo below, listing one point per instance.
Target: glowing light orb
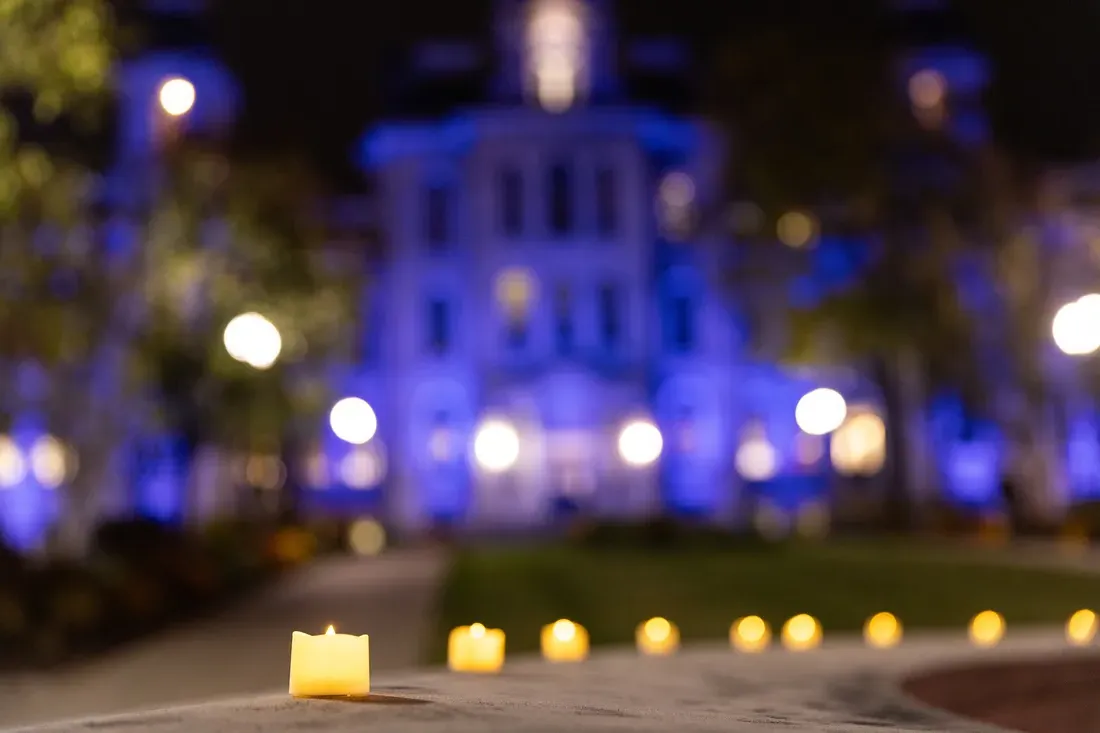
(640, 443)
(657, 637)
(496, 446)
(49, 462)
(353, 421)
(882, 631)
(366, 537)
(1076, 326)
(801, 633)
(176, 96)
(756, 459)
(987, 629)
(821, 411)
(13, 467)
(1081, 628)
(252, 339)
(564, 630)
(927, 89)
(796, 229)
(750, 634)
(858, 447)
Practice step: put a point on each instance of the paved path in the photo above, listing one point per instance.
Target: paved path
(841, 688)
(245, 650)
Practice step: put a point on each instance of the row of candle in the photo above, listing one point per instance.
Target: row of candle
(339, 664)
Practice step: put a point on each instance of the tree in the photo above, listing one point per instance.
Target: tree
(111, 324)
(820, 126)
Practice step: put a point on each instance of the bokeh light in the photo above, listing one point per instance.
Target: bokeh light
(353, 421)
(13, 466)
(363, 468)
(496, 446)
(927, 89)
(640, 443)
(49, 462)
(987, 629)
(796, 229)
(176, 96)
(801, 633)
(1076, 326)
(750, 634)
(858, 446)
(882, 631)
(366, 537)
(820, 412)
(657, 637)
(1081, 627)
(254, 340)
(756, 458)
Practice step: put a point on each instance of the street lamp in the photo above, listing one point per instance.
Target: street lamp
(353, 421)
(1076, 326)
(496, 446)
(820, 412)
(176, 96)
(640, 443)
(252, 339)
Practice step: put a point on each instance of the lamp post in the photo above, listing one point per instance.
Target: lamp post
(252, 339)
(1076, 326)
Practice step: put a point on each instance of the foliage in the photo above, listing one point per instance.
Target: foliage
(704, 589)
(56, 56)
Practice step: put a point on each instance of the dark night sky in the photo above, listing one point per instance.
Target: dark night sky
(312, 69)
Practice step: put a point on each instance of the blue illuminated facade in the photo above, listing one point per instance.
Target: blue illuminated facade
(550, 281)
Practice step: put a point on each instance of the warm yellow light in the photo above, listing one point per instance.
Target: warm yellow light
(367, 537)
(795, 229)
(477, 630)
(927, 89)
(858, 447)
(564, 630)
(564, 641)
(882, 631)
(330, 631)
(750, 634)
(657, 636)
(1081, 627)
(801, 633)
(176, 96)
(253, 339)
(987, 629)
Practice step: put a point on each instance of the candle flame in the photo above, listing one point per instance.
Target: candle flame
(330, 631)
(658, 629)
(564, 630)
(477, 631)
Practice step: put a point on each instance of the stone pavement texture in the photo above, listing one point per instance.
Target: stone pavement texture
(840, 688)
(245, 650)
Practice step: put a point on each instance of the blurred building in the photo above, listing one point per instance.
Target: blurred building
(551, 328)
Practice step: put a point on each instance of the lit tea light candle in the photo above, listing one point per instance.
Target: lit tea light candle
(1081, 628)
(564, 641)
(750, 634)
(329, 665)
(657, 637)
(801, 633)
(475, 648)
(882, 631)
(987, 629)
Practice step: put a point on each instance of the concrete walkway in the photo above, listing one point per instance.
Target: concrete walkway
(246, 649)
(840, 688)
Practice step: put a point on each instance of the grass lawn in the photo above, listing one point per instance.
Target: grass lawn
(704, 589)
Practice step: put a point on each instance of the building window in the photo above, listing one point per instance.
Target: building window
(561, 200)
(607, 210)
(682, 324)
(439, 326)
(610, 325)
(511, 203)
(564, 335)
(437, 217)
